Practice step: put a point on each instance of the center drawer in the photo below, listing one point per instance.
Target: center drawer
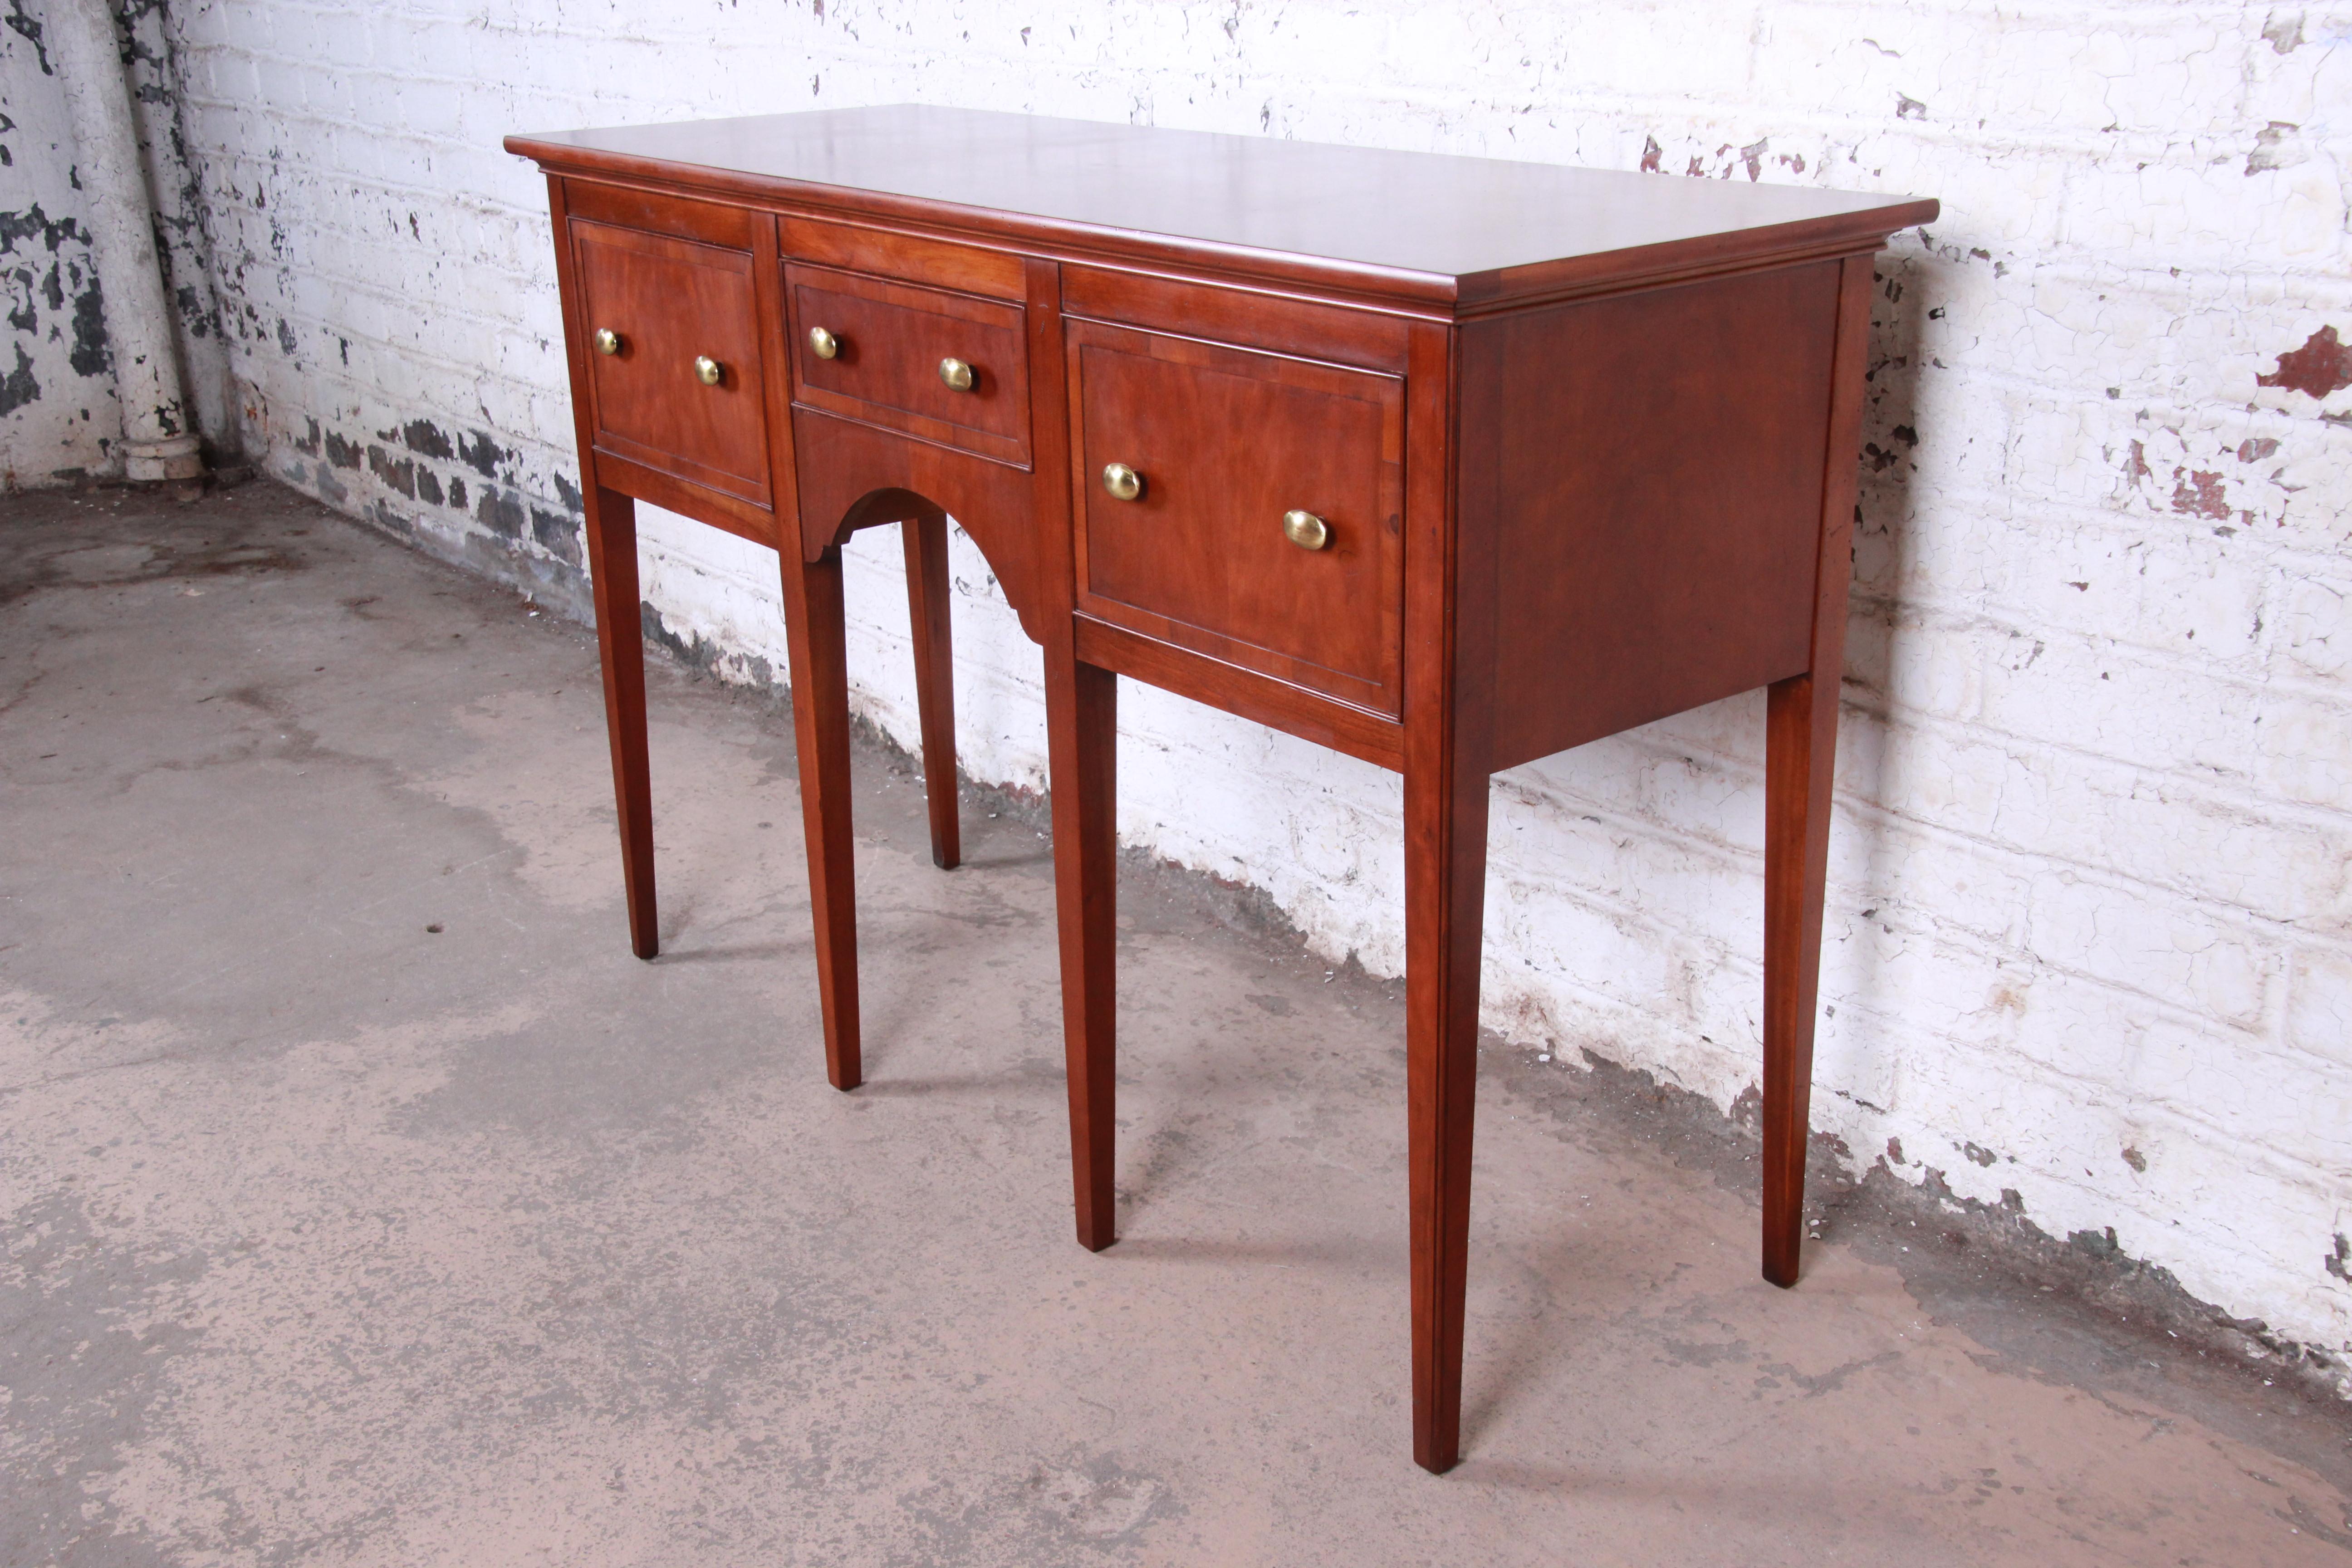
(948, 367)
(1242, 504)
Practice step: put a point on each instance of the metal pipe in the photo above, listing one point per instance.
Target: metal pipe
(159, 439)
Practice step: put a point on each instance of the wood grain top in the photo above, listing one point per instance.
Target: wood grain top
(1425, 226)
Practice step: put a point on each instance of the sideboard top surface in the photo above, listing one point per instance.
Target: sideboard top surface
(1429, 226)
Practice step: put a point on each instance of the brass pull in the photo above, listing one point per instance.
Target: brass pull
(824, 344)
(607, 340)
(1305, 530)
(1123, 482)
(956, 373)
(706, 370)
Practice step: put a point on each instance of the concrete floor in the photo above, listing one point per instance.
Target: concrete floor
(367, 1202)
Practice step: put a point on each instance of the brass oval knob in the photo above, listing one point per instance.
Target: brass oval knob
(706, 370)
(956, 373)
(1123, 482)
(607, 340)
(1305, 530)
(824, 344)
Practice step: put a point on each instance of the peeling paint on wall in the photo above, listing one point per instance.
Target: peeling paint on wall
(2320, 368)
(54, 425)
(58, 368)
(21, 386)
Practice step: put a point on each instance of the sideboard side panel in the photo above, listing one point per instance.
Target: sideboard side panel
(575, 327)
(1659, 510)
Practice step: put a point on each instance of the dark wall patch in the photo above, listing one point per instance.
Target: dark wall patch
(424, 436)
(400, 475)
(567, 492)
(308, 444)
(502, 515)
(391, 521)
(20, 22)
(32, 221)
(285, 336)
(429, 489)
(89, 355)
(557, 534)
(480, 454)
(458, 493)
(18, 387)
(342, 453)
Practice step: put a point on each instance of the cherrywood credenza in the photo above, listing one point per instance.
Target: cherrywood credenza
(1445, 463)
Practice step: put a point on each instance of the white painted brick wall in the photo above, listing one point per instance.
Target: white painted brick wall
(58, 408)
(2090, 913)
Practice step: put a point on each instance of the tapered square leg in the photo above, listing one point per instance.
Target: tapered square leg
(1082, 738)
(1800, 756)
(1801, 751)
(815, 644)
(926, 540)
(1445, 890)
(611, 527)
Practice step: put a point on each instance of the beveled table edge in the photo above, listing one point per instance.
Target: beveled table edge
(1428, 294)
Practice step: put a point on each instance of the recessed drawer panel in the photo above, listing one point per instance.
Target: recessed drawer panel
(948, 367)
(674, 355)
(1245, 505)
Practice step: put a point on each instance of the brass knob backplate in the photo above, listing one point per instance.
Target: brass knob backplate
(706, 370)
(1305, 530)
(607, 340)
(824, 344)
(1123, 482)
(956, 373)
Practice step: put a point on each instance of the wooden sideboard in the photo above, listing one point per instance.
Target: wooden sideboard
(1448, 464)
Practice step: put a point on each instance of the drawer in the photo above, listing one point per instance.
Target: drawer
(904, 258)
(1227, 442)
(872, 350)
(668, 303)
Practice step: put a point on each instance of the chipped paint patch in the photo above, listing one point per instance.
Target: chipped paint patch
(2320, 368)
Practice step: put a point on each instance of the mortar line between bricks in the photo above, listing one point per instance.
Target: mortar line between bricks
(2266, 927)
(2222, 671)
(2246, 923)
(2131, 657)
(2331, 820)
(2314, 1179)
(2014, 1062)
(1989, 949)
(2320, 819)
